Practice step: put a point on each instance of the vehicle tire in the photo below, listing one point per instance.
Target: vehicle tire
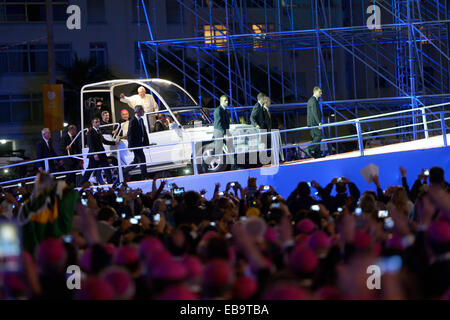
(209, 162)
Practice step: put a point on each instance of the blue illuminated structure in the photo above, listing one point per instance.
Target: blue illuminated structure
(238, 44)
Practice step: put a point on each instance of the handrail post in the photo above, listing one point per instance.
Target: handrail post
(275, 148)
(444, 129)
(120, 169)
(360, 139)
(46, 165)
(194, 159)
(424, 122)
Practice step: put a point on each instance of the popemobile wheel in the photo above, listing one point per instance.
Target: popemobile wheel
(210, 162)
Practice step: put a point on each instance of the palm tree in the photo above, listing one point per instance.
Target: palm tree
(74, 77)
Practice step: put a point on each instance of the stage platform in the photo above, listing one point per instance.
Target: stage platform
(414, 156)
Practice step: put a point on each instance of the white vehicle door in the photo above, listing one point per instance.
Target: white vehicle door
(159, 153)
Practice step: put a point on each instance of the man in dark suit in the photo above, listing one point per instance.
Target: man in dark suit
(137, 137)
(66, 148)
(313, 119)
(260, 116)
(44, 149)
(95, 142)
(221, 129)
(261, 119)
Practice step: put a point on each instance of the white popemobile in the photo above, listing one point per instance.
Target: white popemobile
(187, 123)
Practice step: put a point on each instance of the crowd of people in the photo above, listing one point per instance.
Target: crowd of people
(241, 242)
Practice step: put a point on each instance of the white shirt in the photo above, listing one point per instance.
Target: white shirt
(46, 141)
(148, 103)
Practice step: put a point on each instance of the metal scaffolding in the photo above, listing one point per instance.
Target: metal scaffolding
(285, 47)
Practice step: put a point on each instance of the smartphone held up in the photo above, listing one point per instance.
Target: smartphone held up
(10, 247)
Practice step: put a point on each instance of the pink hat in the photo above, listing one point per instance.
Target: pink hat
(328, 293)
(395, 243)
(110, 249)
(270, 235)
(51, 251)
(209, 235)
(126, 255)
(363, 240)
(439, 231)
(150, 245)
(319, 240)
(120, 281)
(217, 273)
(303, 260)
(306, 226)
(244, 288)
(177, 292)
(170, 270)
(95, 288)
(285, 291)
(193, 265)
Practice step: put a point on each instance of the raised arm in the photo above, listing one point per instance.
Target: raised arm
(125, 99)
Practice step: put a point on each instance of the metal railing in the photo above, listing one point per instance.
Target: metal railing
(195, 159)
